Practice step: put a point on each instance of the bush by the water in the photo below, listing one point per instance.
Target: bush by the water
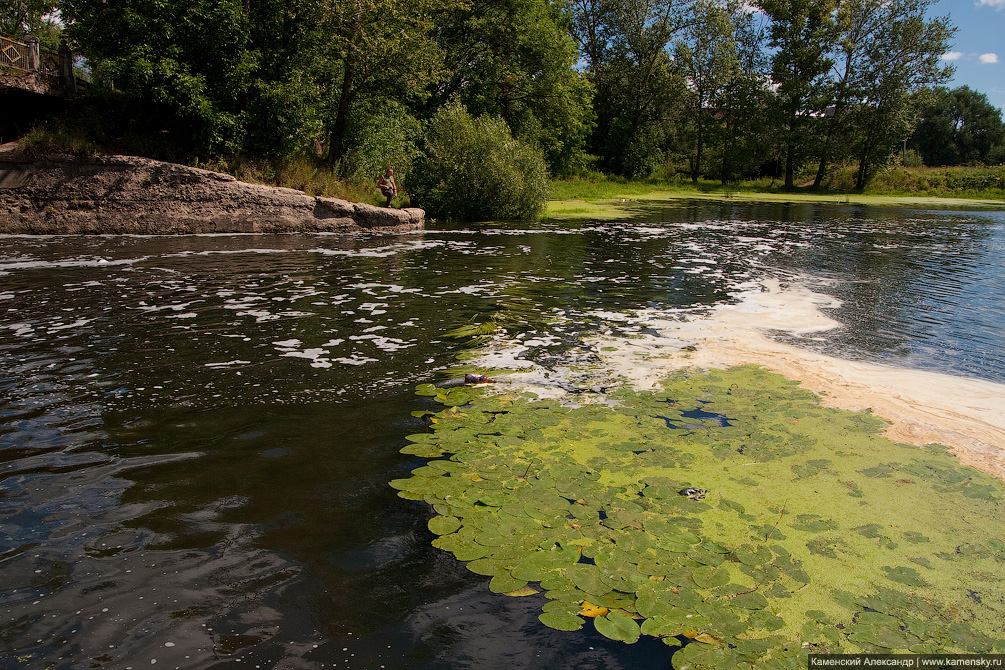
(473, 169)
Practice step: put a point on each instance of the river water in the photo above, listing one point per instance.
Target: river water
(196, 433)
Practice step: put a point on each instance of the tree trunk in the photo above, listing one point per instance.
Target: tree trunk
(336, 139)
(697, 160)
(825, 152)
(727, 149)
(790, 153)
(790, 158)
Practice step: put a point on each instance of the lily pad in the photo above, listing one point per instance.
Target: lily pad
(561, 621)
(582, 503)
(618, 626)
(443, 525)
(904, 575)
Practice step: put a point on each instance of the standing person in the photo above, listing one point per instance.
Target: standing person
(387, 186)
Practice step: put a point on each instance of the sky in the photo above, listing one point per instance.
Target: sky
(978, 49)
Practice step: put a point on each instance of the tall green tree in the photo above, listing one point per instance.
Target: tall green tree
(367, 50)
(959, 126)
(29, 17)
(886, 51)
(285, 112)
(747, 132)
(628, 45)
(515, 59)
(182, 65)
(858, 23)
(707, 55)
(904, 59)
(802, 33)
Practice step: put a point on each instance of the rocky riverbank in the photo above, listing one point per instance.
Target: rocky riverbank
(62, 195)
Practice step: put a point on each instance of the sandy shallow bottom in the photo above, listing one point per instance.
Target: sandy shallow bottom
(966, 415)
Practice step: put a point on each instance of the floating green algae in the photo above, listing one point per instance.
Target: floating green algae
(816, 534)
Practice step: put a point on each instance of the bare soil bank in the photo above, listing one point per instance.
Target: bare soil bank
(61, 195)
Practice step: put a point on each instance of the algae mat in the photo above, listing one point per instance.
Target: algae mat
(728, 510)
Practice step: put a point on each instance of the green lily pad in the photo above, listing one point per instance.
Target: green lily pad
(504, 583)
(583, 502)
(904, 575)
(709, 576)
(618, 626)
(561, 621)
(443, 525)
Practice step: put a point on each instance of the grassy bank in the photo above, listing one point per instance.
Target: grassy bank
(601, 196)
(956, 187)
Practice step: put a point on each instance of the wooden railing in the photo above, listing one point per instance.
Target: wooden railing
(48, 70)
(16, 55)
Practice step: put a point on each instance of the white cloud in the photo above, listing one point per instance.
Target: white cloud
(997, 4)
(988, 58)
(952, 55)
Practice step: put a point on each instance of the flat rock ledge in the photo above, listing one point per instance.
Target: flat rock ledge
(65, 195)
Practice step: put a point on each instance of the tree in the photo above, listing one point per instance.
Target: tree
(627, 45)
(747, 133)
(858, 25)
(182, 66)
(707, 55)
(803, 33)
(515, 59)
(285, 112)
(958, 126)
(367, 50)
(885, 52)
(28, 17)
(903, 60)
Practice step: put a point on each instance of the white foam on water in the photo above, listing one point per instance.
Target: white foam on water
(20, 329)
(82, 262)
(288, 344)
(260, 315)
(921, 407)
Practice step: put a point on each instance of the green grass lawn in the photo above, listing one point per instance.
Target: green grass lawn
(951, 188)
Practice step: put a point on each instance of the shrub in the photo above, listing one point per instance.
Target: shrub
(473, 170)
(381, 135)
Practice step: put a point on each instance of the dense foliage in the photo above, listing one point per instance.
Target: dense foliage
(473, 169)
(30, 17)
(795, 89)
(960, 127)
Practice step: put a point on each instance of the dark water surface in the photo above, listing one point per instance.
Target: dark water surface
(196, 433)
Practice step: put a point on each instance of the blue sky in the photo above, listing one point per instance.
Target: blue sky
(978, 50)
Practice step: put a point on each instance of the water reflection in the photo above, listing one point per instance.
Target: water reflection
(196, 433)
